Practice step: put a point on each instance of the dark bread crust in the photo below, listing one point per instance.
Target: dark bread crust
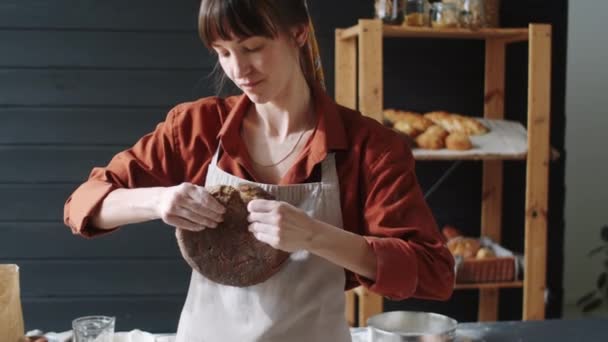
(230, 254)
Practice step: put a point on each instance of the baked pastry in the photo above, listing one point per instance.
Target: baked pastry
(484, 253)
(457, 123)
(406, 128)
(390, 116)
(432, 139)
(458, 141)
(416, 120)
(230, 254)
(464, 247)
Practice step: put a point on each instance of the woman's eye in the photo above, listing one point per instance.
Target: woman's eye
(254, 48)
(222, 53)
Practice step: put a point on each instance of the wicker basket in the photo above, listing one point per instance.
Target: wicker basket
(488, 270)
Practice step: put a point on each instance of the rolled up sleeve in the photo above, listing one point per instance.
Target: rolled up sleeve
(150, 162)
(82, 203)
(412, 259)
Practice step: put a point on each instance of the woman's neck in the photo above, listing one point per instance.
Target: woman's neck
(292, 111)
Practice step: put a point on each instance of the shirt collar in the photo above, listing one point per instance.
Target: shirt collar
(330, 134)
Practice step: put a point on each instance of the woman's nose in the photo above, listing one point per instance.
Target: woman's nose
(241, 66)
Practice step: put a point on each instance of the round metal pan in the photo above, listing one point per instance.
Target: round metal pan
(400, 326)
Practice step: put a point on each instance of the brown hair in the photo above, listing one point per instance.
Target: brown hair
(227, 19)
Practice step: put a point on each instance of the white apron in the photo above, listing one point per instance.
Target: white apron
(303, 302)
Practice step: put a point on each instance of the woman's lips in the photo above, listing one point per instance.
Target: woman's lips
(250, 84)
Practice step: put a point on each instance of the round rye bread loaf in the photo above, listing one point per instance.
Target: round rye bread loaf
(230, 254)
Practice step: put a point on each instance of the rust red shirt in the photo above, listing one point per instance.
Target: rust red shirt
(380, 196)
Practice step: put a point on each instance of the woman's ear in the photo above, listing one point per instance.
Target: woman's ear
(300, 34)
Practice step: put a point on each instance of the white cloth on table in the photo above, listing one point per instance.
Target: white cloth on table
(358, 335)
(126, 336)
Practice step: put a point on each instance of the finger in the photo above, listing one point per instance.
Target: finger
(212, 204)
(263, 228)
(177, 221)
(187, 214)
(198, 218)
(263, 217)
(202, 196)
(267, 239)
(199, 211)
(262, 205)
(194, 216)
(209, 202)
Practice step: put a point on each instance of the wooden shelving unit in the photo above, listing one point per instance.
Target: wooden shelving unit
(513, 284)
(359, 85)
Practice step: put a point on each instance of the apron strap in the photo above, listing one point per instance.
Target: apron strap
(215, 156)
(329, 174)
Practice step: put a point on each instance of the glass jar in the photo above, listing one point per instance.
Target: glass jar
(415, 13)
(472, 14)
(491, 9)
(457, 3)
(390, 11)
(445, 15)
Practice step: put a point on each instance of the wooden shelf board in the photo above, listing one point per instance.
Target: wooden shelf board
(350, 32)
(511, 34)
(423, 156)
(511, 284)
(508, 34)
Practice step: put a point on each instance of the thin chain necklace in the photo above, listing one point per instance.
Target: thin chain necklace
(285, 157)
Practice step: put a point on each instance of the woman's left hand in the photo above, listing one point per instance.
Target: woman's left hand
(281, 225)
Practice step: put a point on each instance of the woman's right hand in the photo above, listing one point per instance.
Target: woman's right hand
(191, 207)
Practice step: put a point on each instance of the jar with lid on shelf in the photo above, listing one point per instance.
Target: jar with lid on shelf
(457, 3)
(472, 14)
(491, 9)
(416, 13)
(445, 15)
(390, 11)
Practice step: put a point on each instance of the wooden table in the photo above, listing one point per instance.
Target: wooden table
(587, 330)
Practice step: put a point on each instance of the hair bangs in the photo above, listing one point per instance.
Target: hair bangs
(228, 19)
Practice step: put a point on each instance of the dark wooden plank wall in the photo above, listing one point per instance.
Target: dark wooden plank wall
(82, 80)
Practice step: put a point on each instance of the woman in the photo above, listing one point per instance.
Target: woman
(356, 215)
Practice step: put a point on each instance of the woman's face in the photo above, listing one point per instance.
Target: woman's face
(261, 67)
